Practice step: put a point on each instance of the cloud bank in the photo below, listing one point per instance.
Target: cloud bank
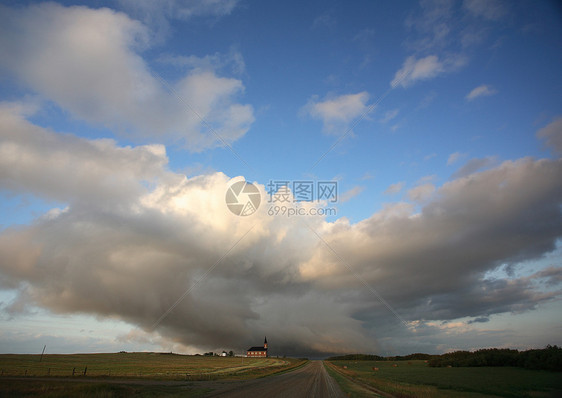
(89, 62)
(135, 236)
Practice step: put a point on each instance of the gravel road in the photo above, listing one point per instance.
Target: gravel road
(310, 381)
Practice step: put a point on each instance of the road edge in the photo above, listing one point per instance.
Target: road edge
(356, 383)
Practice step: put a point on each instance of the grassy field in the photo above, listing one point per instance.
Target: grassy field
(416, 379)
(127, 374)
(145, 365)
(57, 388)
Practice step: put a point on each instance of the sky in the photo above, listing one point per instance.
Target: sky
(403, 161)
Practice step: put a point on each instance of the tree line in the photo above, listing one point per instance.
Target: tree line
(369, 357)
(548, 358)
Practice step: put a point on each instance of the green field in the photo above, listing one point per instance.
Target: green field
(127, 374)
(416, 379)
(57, 389)
(145, 365)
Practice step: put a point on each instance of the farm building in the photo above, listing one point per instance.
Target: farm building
(258, 351)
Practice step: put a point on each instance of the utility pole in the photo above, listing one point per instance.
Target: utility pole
(40, 359)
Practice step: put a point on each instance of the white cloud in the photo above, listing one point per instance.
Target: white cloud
(389, 115)
(425, 179)
(394, 188)
(434, 25)
(417, 69)
(365, 35)
(367, 176)
(128, 249)
(487, 9)
(455, 157)
(430, 156)
(89, 62)
(552, 134)
(233, 60)
(157, 14)
(480, 91)
(68, 168)
(353, 192)
(474, 165)
(421, 192)
(180, 9)
(324, 20)
(336, 113)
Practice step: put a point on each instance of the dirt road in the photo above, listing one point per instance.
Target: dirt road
(310, 381)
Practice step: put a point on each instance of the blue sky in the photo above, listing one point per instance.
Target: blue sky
(123, 123)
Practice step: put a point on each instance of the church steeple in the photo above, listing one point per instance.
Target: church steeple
(265, 342)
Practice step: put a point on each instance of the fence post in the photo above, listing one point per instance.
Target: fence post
(85, 369)
(73, 370)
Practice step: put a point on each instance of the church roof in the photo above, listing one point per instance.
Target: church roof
(257, 349)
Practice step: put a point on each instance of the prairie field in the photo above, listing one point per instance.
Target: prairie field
(145, 374)
(417, 379)
(140, 364)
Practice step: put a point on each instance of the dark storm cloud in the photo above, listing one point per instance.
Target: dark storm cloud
(152, 234)
(440, 256)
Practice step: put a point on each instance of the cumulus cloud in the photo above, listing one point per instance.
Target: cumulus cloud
(133, 259)
(433, 25)
(36, 160)
(421, 192)
(473, 165)
(552, 135)
(129, 249)
(157, 14)
(389, 115)
(487, 9)
(455, 157)
(180, 9)
(470, 225)
(417, 69)
(233, 60)
(394, 188)
(99, 75)
(353, 192)
(480, 91)
(336, 113)
(325, 20)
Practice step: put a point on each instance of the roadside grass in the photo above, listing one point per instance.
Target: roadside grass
(57, 388)
(295, 364)
(416, 379)
(142, 365)
(352, 390)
